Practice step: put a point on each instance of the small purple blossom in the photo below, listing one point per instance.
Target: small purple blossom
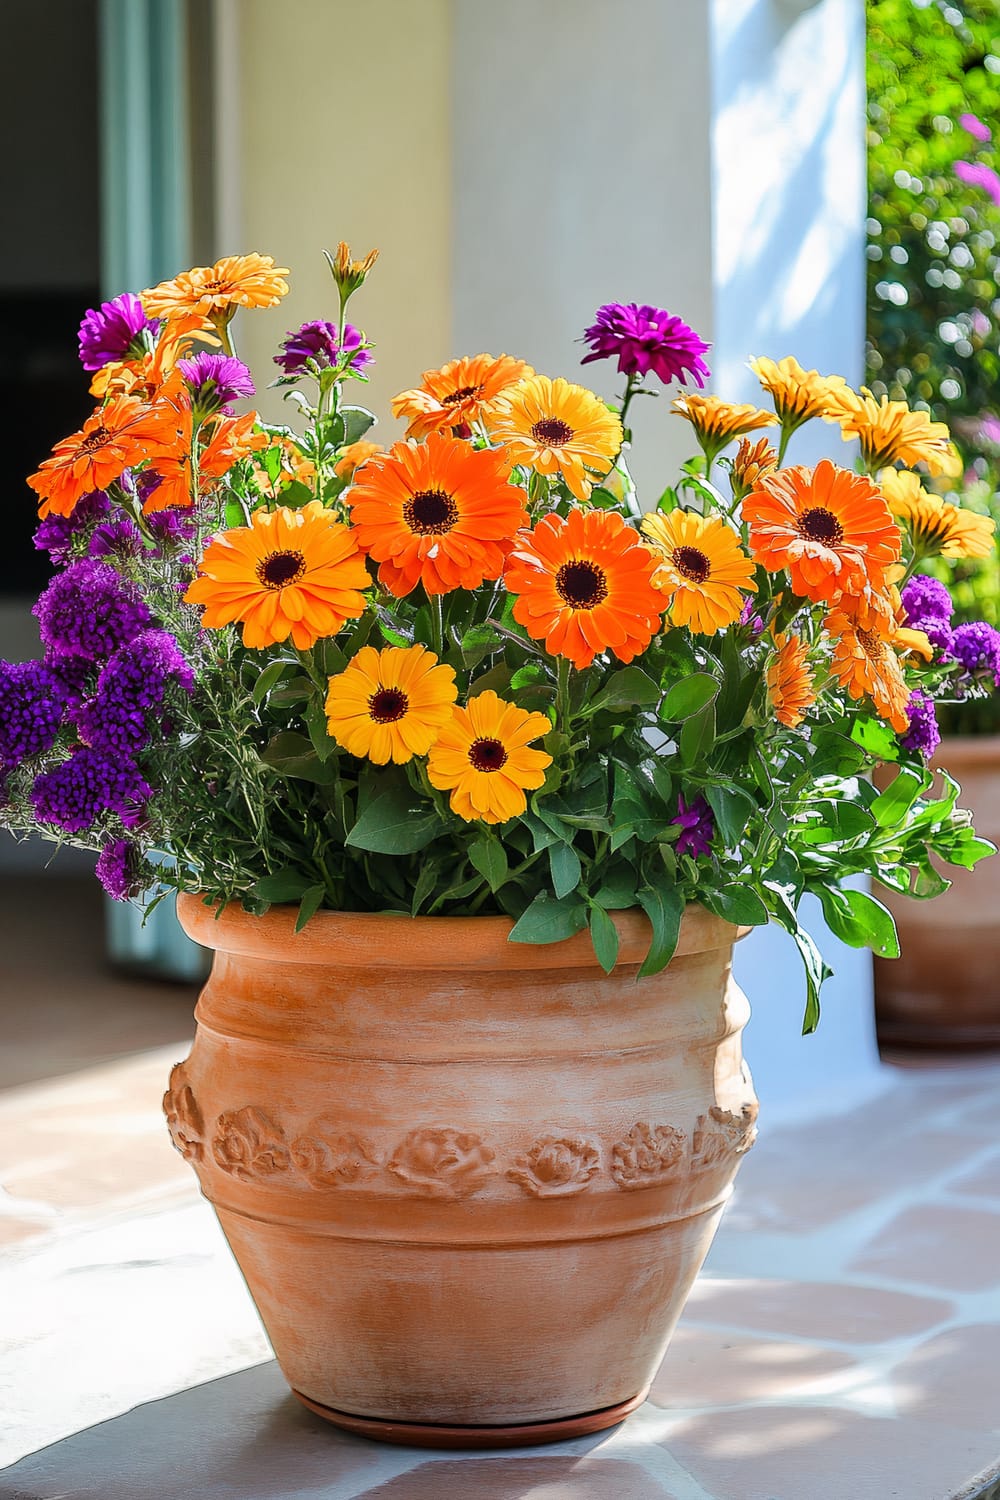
(132, 692)
(118, 869)
(644, 339)
(113, 331)
(937, 631)
(90, 610)
(926, 598)
(976, 648)
(978, 174)
(697, 825)
(120, 538)
(923, 735)
(989, 429)
(750, 619)
(80, 790)
(55, 534)
(216, 381)
(73, 673)
(974, 125)
(32, 703)
(319, 341)
(172, 527)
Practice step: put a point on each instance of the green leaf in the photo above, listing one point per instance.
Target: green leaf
(480, 639)
(617, 889)
(875, 737)
(564, 866)
(689, 697)
(356, 422)
(698, 737)
(859, 920)
(631, 687)
(267, 679)
(488, 856)
(738, 904)
(283, 886)
(291, 754)
(664, 907)
(604, 937)
(890, 808)
(548, 921)
(319, 735)
(733, 809)
(394, 823)
(496, 680)
(816, 972)
(310, 904)
(295, 495)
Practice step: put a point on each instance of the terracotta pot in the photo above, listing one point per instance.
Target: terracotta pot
(943, 990)
(469, 1183)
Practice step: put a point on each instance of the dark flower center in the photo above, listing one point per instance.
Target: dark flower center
(692, 563)
(581, 585)
(279, 569)
(874, 645)
(551, 432)
(95, 439)
(461, 395)
(388, 705)
(487, 755)
(821, 525)
(430, 512)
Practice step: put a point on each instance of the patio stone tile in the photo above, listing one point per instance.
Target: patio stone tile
(815, 1310)
(552, 1476)
(936, 1246)
(709, 1367)
(954, 1378)
(984, 1182)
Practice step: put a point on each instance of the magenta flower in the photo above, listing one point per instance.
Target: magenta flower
(697, 826)
(644, 339)
(115, 331)
(977, 174)
(118, 869)
(974, 125)
(216, 380)
(319, 341)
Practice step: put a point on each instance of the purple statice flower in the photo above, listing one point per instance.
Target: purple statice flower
(131, 694)
(926, 598)
(937, 631)
(923, 735)
(114, 331)
(90, 610)
(974, 125)
(978, 174)
(216, 381)
(118, 869)
(319, 341)
(55, 534)
(32, 703)
(644, 338)
(976, 648)
(118, 538)
(697, 825)
(76, 793)
(172, 527)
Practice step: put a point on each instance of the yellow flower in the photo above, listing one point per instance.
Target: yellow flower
(889, 432)
(702, 569)
(354, 455)
(216, 291)
(554, 427)
(391, 704)
(482, 758)
(753, 462)
(717, 422)
(347, 273)
(790, 688)
(797, 394)
(933, 524)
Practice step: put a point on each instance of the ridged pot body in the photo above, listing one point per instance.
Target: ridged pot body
(943, 989)
(467, 1182)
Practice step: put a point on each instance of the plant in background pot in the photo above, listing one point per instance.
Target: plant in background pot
(471, 772)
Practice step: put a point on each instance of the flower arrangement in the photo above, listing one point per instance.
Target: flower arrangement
(465, 673)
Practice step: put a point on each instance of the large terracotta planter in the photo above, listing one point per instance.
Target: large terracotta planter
(469, 1183)
(944, 989)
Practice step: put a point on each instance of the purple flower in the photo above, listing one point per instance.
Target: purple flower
(114, 331)
(172, 526)
(749, 618)
(32, 702)
(926, 598)
(644, 338)
(73, 673)
(697, 825)
(131, 694)
(55, 534)
(216, 380)
(937, 631)
(318, 341)
(977, 174)
(120, 538)
(90, 610)
(989, 429)
(118, 869)
(974, 125)
(923, 735)
(976, 648)
(77, 792)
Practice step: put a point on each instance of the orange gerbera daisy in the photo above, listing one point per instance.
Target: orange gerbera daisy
(354, 455)
(295, 573)
(215, 292)
(797, 394)
(122, 433)
(391, 704)
(753, 462)
(557, 428)
(830, 528)
(865, 662)
(482, 758)
(889, 432)
(461, 393)
(717, 422)
(933, 524)
(231, 438)
(790, 688)
(442, 514)
(702, 569)
(585, 585)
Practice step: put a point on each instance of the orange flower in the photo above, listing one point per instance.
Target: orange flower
(232, 438)
(354, 455)
(830, 528)
(119, 435)
(482, 758)
(702, 569)
(865, 662)
(717, 422)
(753, 462)
(789, 681)
(557, 428)
(585, 585)
(295, 573)
(215, 292)
(442, 514)
(461, 393)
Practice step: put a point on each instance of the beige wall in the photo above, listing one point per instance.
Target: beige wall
(345, 137)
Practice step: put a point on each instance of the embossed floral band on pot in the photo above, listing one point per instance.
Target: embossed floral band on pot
(470, 771)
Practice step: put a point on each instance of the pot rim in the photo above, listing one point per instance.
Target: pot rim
(362, 939)
(967, 750)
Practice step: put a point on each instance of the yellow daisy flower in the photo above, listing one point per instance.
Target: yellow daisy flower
(702, 569)
(482, 758)
(554, 427)
(933, 524)
(889, 432)
(391, 704)
(717, 422)
(797, 394)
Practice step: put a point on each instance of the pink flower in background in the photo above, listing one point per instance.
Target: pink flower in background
(977, 174)
(989, 429)
(974, 125)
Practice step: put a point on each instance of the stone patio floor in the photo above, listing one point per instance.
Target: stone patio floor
(843, 1342)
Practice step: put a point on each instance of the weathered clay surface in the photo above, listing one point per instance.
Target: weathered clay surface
(468, 1182)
